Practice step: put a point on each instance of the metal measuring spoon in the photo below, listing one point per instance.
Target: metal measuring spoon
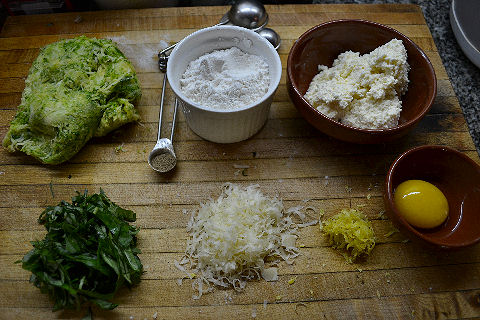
(272, 37)
(249, 14)
(162, 158)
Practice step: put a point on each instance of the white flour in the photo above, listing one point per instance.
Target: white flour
(226, 79)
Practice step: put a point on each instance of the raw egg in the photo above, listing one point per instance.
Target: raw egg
(421, 203)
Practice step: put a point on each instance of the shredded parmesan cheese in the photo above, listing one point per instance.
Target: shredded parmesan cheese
(270, 274)
(231, 237)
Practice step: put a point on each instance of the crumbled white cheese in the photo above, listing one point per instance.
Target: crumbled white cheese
(228, 298)
(270, 274)
(229, 238)
(363, 91)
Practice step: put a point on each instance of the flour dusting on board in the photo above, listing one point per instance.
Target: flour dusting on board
(142, 55)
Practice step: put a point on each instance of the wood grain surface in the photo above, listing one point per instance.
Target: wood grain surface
(288, 157)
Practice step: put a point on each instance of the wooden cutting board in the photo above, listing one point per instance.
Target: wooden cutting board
(287, 157)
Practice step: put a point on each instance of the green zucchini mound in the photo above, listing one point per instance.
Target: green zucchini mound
(76, 89)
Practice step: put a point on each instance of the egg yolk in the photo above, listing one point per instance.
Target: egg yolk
(421, 203)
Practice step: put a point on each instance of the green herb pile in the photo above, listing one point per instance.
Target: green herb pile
(88, 253)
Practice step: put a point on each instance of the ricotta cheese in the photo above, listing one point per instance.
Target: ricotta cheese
(363, 90)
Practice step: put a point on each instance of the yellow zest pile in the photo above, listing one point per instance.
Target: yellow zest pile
(351, 232)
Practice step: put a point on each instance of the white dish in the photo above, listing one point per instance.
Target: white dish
(223, 126)
(464, 18)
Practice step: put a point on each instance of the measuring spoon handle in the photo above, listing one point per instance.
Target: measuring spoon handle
(161, 106)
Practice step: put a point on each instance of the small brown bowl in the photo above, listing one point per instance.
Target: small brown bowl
(322, 45)
(457, 176)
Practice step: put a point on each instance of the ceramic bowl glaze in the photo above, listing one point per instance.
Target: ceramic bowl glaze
(322, 45)
(457, 176)
(210, 123)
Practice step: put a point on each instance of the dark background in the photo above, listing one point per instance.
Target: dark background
(91, 5)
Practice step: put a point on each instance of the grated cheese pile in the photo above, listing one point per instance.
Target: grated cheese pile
(231, 238)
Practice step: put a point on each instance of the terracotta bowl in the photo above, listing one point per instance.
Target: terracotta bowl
(457, 176)
(322, 45)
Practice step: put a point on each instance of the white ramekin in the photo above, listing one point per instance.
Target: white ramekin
(223, 126)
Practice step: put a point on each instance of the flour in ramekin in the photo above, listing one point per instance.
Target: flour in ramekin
(226, 79)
